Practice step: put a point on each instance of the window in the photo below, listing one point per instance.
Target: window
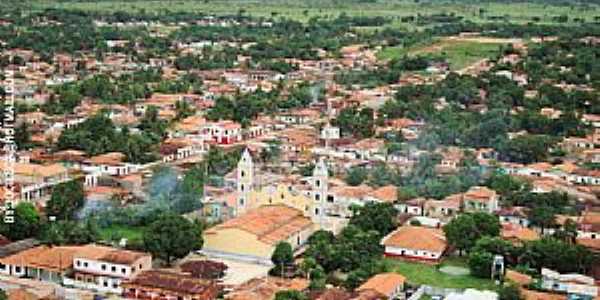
(2, 266)
(78, 263)
(243, 173)
(113, 268)
(317, 197)
(105, 283)
(115, 285)
(330, 198)
(242, 187)
(85, 264)
(318, 183)
(123, 270)
(103, 267)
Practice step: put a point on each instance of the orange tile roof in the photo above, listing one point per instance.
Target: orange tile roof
(352, 191)
(417, 237)
(271, 224)
(21, 294)
(518, 278)
(480, 193)
(109, 254)
(510, 232)
(36, 170)
(56, 259)
(388, 193)
(593, 244)
(384, 283)
(265, 288)
(531, 295)
(111, 158)
(369, 143)
(170, 281)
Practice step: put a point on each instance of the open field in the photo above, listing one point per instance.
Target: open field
(304, 10)
(459, 52)
(117, 232)
(417, 273)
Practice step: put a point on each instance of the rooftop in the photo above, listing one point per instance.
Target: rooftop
(416, 237)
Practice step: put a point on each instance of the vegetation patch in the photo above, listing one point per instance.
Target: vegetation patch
(418, 273)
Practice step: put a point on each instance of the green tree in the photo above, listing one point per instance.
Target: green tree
(542, 216)
(318, 278)
(527, 148)
(510, 292)
(282, 256)
(171, 236)
(379, 217)
(290, 295)
(321, 249)
(480, 264)
(70, 233)
(3, 295)
(27, 223)
(22, 136)
(557, 255)
(463, 231)
(67, 198)
(356, 176)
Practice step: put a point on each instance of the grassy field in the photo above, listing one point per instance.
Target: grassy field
(459, 53)
(116, 232)
(303, 10)
(417, 273)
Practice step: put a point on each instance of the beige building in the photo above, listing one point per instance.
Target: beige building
(253, 236)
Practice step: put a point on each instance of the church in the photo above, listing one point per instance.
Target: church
(265, 215)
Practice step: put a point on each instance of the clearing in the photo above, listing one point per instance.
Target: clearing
(418, 273)
(460, 52)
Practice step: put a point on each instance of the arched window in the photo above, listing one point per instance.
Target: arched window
(243, 173)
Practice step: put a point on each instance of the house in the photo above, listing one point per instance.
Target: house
(253, 235)
(518, 235)
(384, 194)
(416, 243)
(443, 209)
(588, 225)
(480, 199)
(576, 286)
(223, 132)
(206, 269)
(366, 149)
(156, 284)
(42, 262)
(341, 198)
(592, 155)
(516, 215)
(414, 207)
(265, 288)
(109, 164)
(299, 116)
(389, 284)
(103, 269)
(36, 180)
